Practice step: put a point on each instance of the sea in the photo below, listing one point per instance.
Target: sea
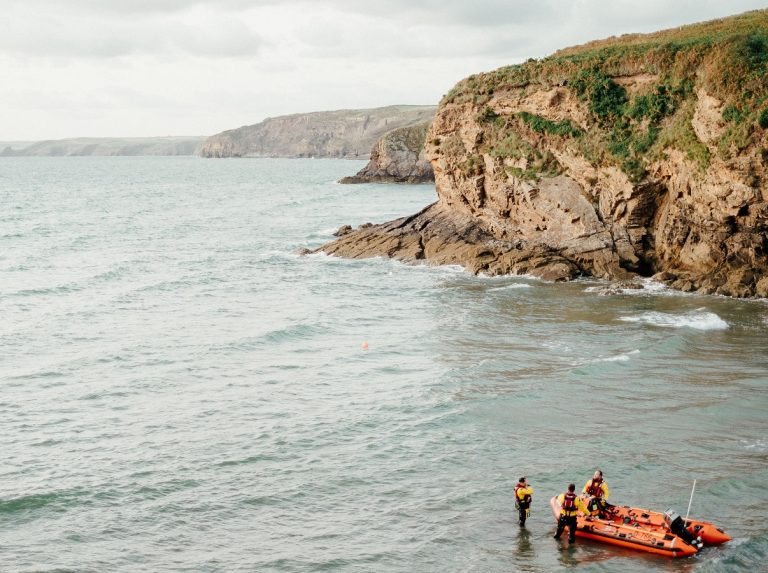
(181, 390)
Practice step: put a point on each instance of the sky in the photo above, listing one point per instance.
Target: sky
(138, 68)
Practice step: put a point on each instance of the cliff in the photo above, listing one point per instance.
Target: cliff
(343, 134)
(106, 146)
(644, 155)
(397, 157)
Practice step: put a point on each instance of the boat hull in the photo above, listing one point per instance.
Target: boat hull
(631, 535)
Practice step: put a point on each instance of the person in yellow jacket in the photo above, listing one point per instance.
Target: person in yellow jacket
(570, 503)
(523, 498)
(597, 492)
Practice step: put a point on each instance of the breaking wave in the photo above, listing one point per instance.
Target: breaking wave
(698, 320)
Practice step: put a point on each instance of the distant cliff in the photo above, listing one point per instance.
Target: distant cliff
(398, 157)
(346, 134)
(644, 155)
(112, 146)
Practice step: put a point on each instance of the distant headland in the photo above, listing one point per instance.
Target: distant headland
(104, 146)
(344, 134)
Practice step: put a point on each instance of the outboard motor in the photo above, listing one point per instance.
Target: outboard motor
(676, 525)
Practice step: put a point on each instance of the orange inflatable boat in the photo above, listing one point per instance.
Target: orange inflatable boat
(644, 530)
(707, 532)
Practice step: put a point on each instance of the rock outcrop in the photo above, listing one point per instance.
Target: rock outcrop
(645, 155)
(348, 134)
(398, 157)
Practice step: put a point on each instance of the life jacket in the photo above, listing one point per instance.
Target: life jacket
(526, 497)
(569, 503)
(594, 488)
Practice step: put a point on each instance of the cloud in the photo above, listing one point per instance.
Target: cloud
(147, 67)
(57, 33)
(144, 7)
(328, 28)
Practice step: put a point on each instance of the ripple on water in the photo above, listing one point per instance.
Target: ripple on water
(188, 394)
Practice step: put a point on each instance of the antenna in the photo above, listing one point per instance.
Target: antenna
(690, 501)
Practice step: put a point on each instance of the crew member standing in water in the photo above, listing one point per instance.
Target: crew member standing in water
(597, 490)
(570, 503)
(523, 497)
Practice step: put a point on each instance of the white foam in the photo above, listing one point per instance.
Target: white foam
(698, 319)
(649, 286)
(759, 445)
(497, 278)
(510, 287)
(619, 358)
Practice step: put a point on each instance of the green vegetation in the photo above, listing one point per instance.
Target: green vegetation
(513, 147)
(607, 100)
(726, 58)
(763, 119)
(654, 106)
(488, 116)
(473, 166)
(539, 165)
(542, 125)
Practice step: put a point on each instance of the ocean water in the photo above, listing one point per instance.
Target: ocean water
(180, 391)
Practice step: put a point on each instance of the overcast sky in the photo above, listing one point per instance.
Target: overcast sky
(73, 68)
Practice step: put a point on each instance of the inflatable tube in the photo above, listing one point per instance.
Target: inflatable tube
(627, 533)
(709, 533)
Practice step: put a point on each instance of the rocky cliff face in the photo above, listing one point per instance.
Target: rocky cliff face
(642, 155)
(342, 134)
(398, 157)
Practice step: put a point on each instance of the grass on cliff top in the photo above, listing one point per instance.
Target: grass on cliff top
(739, 42)
(727, 57)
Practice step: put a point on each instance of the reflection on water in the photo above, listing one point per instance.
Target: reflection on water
(524, 550)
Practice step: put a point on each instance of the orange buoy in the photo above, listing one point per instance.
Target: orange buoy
(364, 346)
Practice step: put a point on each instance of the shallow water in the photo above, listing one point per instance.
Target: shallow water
(180, 391)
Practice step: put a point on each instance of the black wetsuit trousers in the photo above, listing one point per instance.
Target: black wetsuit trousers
(523, 510)
(569, 522)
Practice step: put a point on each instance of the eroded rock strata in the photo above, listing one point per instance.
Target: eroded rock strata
(397, 157)
(643, 155)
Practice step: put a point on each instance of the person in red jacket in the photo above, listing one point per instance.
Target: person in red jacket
(570, 504)
(523, 498)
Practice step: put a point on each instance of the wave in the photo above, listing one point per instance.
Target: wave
(287, 334)
(699, 319)
(39, 374)
(510, 287)
(745, 554)
(619, 357)
(758, 446)
(44, 291)
(42, 500)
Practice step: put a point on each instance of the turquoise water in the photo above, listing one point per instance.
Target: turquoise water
(180, 391)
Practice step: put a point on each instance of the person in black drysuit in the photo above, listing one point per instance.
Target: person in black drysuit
(570, 503)
(523, 497)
